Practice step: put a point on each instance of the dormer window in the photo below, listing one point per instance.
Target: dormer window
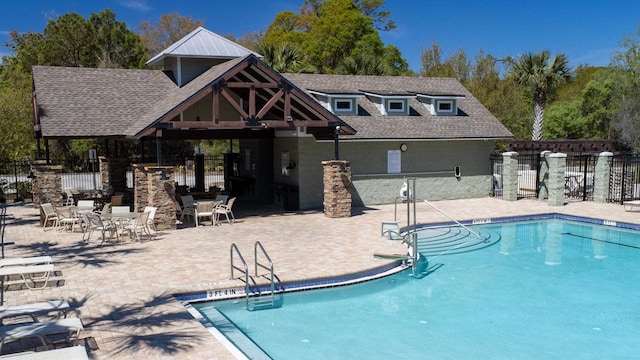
(338, 102)
(390, 103)
(343, 105)
(444, 106)
(396, 106)
(440, 104)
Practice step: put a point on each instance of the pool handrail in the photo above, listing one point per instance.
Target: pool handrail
(452, 219)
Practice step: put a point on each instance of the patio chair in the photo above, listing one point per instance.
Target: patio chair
(95, 222)
(204, 209)
(106, 208)
(225, 210)
(116, 200)
(67, 219)
(139, 226)
(187, 207)
(222, 198)
(68, 200)
(151, 223)
(49, 215)
(86, 203)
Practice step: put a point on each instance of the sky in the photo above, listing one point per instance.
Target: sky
(587, 31)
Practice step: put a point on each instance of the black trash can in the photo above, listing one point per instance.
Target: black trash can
(291, 198)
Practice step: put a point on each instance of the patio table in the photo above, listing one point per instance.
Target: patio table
(120, 219)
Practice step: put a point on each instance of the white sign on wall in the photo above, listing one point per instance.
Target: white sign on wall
(394, 161)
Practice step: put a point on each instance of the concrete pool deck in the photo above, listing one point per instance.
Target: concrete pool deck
(124, 292)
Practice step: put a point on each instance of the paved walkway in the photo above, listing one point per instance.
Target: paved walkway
(123, 292)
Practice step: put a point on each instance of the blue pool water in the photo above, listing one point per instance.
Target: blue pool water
(547, 289)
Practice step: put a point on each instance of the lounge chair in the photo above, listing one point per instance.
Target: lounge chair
(67, 353)
(49, 215)
(225, 210)
(31, 274)
(204, 209)
(33, 310)
(391, 230)
(630, 205)
(69, 326)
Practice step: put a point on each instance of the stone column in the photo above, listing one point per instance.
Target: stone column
(46, 185)
(155, 186)
(601, 177)
(337, 188)
(113, 172)
(543, 176)
(557, 168)
(510, 176)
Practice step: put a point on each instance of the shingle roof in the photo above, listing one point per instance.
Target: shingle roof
(202, 43)
(89, 102)
(473, 119)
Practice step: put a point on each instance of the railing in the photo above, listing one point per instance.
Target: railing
(270, 267)
(244, 270)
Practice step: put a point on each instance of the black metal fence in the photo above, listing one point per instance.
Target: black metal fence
(624, 182)
(15, 181)
(579, 176)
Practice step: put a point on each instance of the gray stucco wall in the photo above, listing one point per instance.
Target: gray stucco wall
(432, 163)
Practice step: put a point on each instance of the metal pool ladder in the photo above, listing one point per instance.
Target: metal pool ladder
(256, 297)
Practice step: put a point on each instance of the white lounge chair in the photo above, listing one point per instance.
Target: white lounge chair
(31, 274)
(35, 260)
(69, 326)
(630, 205)
(33, 310)
(391, 230)
(68, 353)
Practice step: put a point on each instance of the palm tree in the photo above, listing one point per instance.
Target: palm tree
(362, 64)
(543, 74)
(283, 57)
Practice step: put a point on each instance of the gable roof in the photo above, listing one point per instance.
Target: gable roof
(86, 102)
(202, 43)
(473, 120)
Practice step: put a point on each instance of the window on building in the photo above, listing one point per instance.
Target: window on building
(445, 106)
(343, 105)
(395, 106)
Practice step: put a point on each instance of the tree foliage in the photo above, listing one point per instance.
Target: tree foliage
(166, 31)
(333, 33)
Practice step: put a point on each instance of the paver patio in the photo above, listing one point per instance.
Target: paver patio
(124, 292)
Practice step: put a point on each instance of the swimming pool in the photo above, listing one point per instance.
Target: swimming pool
(548, 289)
